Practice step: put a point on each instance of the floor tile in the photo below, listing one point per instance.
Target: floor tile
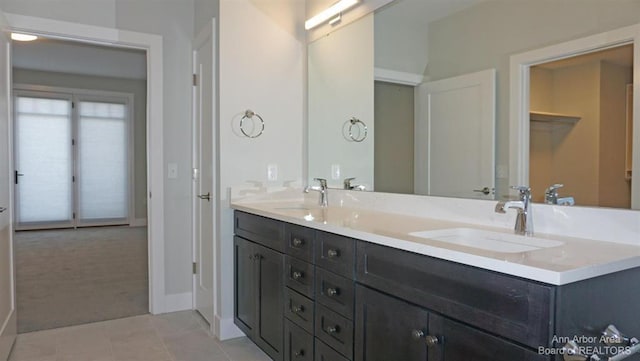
(242, 349)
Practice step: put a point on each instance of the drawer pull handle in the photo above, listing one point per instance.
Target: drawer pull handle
(299, 353)
(332, 291)
(297, 309)
(296, 275)
(332, 329)
(332, 253)
(297, 242)
(258, 256)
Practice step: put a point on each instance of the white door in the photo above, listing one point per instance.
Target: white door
(455, 132)
(7, 276)
(204, 174)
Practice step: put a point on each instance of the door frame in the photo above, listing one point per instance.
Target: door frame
(519, 96)
(152, 44)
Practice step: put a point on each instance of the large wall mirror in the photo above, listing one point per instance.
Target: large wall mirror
(417, 98)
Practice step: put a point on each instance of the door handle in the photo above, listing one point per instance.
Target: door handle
(17, 175)
(205, 196)
(485, 190)
(2, 209)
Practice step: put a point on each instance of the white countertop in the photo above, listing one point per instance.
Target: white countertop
(574, 260)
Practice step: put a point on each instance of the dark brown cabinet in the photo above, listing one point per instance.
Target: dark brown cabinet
(259, 300)
(334, 298)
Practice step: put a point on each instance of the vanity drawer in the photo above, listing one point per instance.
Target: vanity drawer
(326, 353)
(298, 309)
(517, 309)
(335, 292)
(298, 344)
(299, 275)
(334, 330)
(299, 242)
(265, 231)
(335, 253)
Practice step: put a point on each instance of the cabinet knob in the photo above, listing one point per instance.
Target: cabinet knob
(299, 353)
(296, 275)
(431, 340)
(332, 291)
(332, 253)
(257, 256)
(297, 242)
(296, 309)
(332, 329)
(417, 334)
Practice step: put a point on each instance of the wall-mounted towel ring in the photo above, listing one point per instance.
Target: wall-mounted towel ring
(360, 126)
(249, 114)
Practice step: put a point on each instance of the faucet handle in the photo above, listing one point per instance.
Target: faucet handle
(323, 182)
(347, 182)
(554, 187)
(522, 190)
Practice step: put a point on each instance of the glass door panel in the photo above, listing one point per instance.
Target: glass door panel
(103, 162)
(43, 161)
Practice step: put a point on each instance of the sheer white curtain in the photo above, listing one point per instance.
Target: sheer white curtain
(43, 157)
(56, 144)
(102, 167)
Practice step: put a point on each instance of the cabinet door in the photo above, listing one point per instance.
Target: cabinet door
(388, 328)
(269, 332)
(461, 342)
(244, 285)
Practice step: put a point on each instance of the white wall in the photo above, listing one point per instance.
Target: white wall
(341, 87)
(261, 67)
(174, 21)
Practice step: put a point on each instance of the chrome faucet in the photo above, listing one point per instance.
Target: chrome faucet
(322, 189)
(524, 220)
(551, 196)
(349, 186)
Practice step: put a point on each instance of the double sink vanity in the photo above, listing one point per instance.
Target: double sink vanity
(361, 281)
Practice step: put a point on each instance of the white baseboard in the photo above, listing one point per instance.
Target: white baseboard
(226, 329)
(7, 335)
(138, 222)
(178, 302)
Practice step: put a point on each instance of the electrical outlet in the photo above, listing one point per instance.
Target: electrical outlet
(335, 171)
(272, 172)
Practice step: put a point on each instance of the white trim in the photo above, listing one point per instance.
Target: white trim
(398, 77)
(519, 96)
(227, 329)
(155, 159)
(178, 302)
(8, 333)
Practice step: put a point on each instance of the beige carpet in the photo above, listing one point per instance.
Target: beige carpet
(70, 277)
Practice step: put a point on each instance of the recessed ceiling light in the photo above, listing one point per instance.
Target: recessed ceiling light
(23, 37)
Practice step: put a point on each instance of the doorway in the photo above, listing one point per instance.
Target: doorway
(520, 124)
(80, 162)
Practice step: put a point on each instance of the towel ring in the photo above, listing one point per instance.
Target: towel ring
(249, 114)
(359, 124)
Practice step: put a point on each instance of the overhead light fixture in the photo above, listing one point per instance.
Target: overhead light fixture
(23, 37)
(329, 13)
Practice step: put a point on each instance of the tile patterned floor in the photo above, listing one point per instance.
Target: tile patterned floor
(179, 336)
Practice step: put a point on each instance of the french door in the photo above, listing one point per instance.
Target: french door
(72, 164)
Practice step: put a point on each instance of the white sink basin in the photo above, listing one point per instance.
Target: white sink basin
(487, 240)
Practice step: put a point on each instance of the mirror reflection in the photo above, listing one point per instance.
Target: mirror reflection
(389, 69)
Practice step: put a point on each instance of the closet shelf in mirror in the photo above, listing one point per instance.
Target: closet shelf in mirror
(553, 118)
